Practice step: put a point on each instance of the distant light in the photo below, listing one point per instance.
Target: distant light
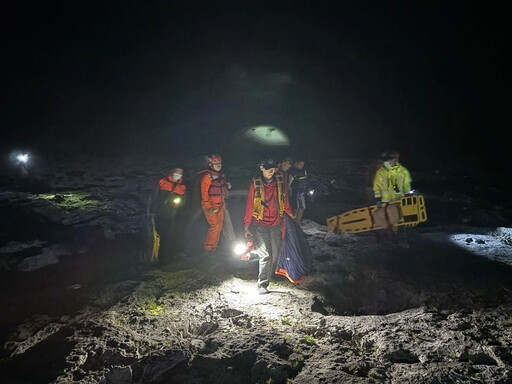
(312, 192)
(177, 200)
(22, 158)
(267, 134)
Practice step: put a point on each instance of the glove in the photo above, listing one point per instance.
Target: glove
(378, 204)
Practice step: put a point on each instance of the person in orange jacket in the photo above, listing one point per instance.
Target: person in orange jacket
(168, 209)
(214, 189)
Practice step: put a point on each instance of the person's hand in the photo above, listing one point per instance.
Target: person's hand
(378, 203)
(228, 185)
(247, 233)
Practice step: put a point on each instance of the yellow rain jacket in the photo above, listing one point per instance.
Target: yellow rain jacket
(391, 184)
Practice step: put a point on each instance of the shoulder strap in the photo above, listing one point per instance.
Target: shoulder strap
(258, 185)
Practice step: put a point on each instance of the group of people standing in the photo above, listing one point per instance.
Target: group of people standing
(279, 189)
(267, 202)
(170, 209)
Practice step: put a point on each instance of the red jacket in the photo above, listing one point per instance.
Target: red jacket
(169, 185)
(271, 216)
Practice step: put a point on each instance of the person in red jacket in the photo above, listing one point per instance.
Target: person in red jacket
(214, 189)
(267, 202)
(168, 209)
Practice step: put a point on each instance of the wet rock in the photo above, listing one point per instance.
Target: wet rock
(120, 375)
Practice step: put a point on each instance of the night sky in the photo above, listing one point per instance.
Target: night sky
(346, 78)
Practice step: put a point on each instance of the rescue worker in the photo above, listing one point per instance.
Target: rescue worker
(168, 209)
(214, 189)
(267, 202)
(392, 181)
(298, 180)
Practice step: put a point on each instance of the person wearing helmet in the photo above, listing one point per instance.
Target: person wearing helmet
(267, 202)
(214, 189)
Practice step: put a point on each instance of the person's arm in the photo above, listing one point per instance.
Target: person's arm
(290, 181)
(228, 184)
(248, 210)
(287, 208)
(407, 181)
(377, 188)
(205, 187)
(180, 189)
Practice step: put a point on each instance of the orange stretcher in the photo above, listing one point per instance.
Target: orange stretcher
(409, 211)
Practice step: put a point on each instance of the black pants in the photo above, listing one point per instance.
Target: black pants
(398, 237)
(170, 228)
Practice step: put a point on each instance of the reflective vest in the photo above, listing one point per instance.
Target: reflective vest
(391, 184)
(213, 189)
(259, 197)
(217, 187)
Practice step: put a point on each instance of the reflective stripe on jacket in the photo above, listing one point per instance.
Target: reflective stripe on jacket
(391, 184)
(298, 181)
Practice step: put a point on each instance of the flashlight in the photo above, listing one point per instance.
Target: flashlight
(176, 201)
(245, 250)
(239, 248)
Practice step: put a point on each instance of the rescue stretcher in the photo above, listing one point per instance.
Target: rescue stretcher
(408, 211)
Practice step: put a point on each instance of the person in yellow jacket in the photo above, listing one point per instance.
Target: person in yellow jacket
(392, 181)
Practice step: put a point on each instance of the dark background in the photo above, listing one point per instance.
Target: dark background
(342, 79)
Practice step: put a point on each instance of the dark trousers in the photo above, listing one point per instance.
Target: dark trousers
(397, 237)
(171, 231)
(269, 243)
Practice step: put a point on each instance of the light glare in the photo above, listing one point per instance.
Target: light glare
(22, 158)
(239, 248)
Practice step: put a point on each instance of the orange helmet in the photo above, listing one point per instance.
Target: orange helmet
(213, 159)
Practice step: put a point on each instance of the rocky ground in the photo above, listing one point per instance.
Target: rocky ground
(79, 304)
